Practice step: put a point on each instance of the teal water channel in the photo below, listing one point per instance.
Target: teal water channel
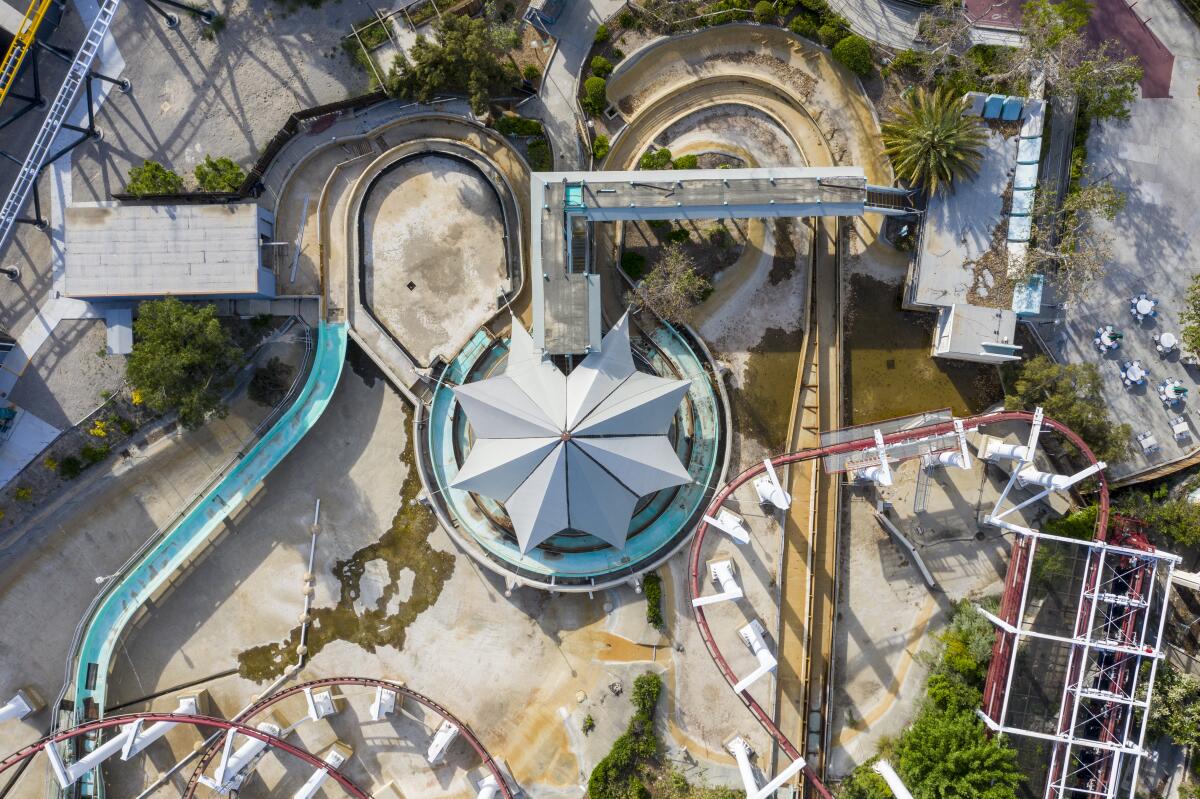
(181, 542)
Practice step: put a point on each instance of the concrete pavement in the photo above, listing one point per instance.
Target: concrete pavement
(555, 103)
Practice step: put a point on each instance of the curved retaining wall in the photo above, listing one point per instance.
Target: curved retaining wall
(152, 573)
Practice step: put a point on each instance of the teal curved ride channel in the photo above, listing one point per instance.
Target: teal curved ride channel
(180, 543)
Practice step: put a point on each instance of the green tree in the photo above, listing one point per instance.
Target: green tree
(595, 96)
(464, 56)
(1079, 524)
(153, 178)
(948, 755)
(1175, 710)
(182, 359)
(864, 783)
(1065, 241)
(1071, 394)
(854, 53)
(1176, 519)
(673, 287)
(220, 174)
(1190, 316)
(600, 146)
(656, 159)
(930, 142)
(601, 66)
(764, 12)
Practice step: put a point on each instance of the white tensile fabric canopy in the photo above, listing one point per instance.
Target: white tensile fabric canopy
(571, 452)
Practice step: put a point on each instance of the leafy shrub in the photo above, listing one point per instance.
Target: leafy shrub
(652, 587)
(764, 12)
(594, 97)
(626, 19)
(50, 463)
(600, 146)
(127, 425)
(830, 33)
(657, 159)
(588, 724)
(679, 235)
(93, 455)
(99, 429)
(805, 26)
(633, 264)
(854, 53)
(69, 467)
(23, 494)
(509, 125)
(270, 383)
(601, 66)
(686, 162)
(220, 174)
(540, 158)
(908, 61)
(531, 72)
(602, 34)
(819, 6)
(152, 178)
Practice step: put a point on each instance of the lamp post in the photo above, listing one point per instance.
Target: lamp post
(13, 273)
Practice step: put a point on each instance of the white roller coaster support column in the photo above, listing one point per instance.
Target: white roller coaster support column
(741, 752)
(960, 458)
(885, 770)
(334, 759)
(731, 524)
(753, 634)
(770, 490)
(129, 741)
(880, 475)
(384, 704)
(488, 787)
(1010, 452)
(16, 708)
(1031, 476)
(722, 575)
(228, 774)
(442, 739)
(320, 703)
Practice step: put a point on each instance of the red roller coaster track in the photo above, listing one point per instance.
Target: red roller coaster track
(180, 718)
(368, 682)
(996, 676)
(241, 723)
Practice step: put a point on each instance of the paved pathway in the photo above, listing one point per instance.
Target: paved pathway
(555, 103)
(890, 24)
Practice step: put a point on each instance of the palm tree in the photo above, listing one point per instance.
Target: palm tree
(929, 140)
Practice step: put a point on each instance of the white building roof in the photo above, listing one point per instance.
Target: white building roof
(154, 250)
(571, 452)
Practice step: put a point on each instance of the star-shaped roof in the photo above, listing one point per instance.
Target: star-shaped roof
(571, 452)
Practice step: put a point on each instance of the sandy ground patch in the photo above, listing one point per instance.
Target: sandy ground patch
(433, 236)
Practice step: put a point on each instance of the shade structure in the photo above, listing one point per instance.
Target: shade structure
(571, 452)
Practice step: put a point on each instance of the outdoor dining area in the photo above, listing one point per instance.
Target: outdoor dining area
(1172, 391)
(1142, 306)
(1133, 373)
(1166, 343)
(1107, 338)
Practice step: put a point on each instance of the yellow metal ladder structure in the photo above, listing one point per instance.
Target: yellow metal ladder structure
(11, 66)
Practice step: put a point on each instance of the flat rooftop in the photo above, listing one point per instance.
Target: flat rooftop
(115, 250)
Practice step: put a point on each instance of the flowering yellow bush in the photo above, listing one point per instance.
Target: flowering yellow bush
(136, 397)
(50, 464)
(99, 429)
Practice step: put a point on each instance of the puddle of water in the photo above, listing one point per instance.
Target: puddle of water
(404, 546)
(889, 371)
(762, 407)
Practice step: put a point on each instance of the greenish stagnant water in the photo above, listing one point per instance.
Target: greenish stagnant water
(404, 545)
(889, 369)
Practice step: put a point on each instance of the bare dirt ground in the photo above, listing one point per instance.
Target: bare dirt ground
(433, 230)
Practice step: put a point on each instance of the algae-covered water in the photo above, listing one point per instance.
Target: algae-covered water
(889, 369)
(404, 545)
